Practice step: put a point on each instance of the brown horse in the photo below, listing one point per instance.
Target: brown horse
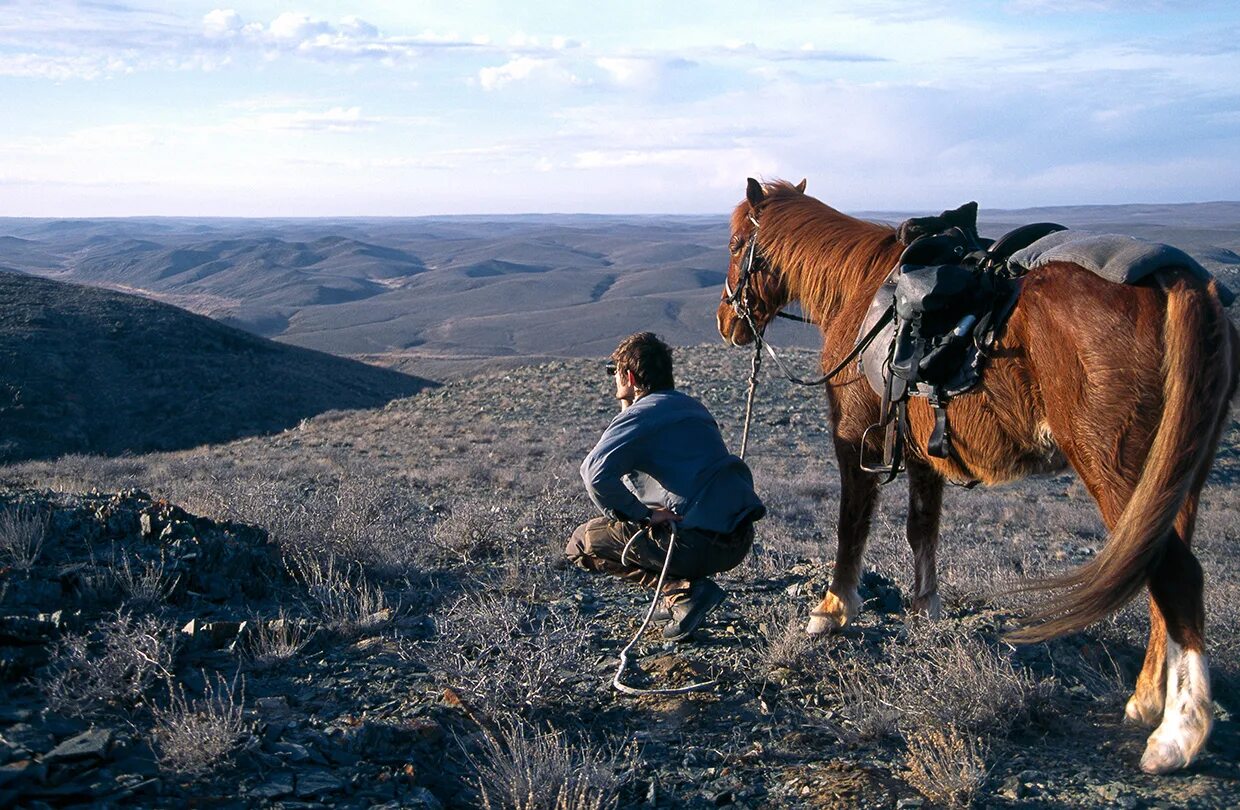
(1130, 385)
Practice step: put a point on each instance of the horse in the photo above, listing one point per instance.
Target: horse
(1130, 385)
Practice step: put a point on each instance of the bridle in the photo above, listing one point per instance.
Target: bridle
(740, 300)
(753, 263)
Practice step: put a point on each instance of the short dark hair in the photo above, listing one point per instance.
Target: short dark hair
(648, 358)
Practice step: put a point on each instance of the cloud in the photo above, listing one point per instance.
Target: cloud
(222, 23)
(524, 68)
(294, 28)
(335, 119)
(629, 71)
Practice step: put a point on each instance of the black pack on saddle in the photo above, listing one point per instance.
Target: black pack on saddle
(944, 303)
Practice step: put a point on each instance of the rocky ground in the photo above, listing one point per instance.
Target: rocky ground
(372, 609)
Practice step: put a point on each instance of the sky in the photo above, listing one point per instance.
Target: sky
(418, 107)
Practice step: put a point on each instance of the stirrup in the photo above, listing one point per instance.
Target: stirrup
(888, 468)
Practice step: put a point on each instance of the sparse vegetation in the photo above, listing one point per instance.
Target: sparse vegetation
(946, 765)
(409, 621)
(522, 768)
(22, 533)
(195, 737)
(115, 667)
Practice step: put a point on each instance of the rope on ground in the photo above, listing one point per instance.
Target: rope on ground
(616, 682)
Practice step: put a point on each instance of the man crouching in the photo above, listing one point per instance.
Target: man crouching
(661, 464)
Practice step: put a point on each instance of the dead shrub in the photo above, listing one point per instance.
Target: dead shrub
(22, 533)
(345, 600)
(946, 676)
(522, 768)
(787, 644)
(117, 668)
(937, 676)
(504, 652)
(196, 737)
(144, 587)
(946, 765)
(274, 642)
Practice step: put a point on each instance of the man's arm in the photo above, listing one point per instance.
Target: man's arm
(617, 454)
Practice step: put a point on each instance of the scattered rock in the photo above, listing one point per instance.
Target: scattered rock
(92, 744)
(317, 784)
(277, 785)
(22, 771)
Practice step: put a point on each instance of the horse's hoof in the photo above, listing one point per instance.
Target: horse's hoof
(1140, 713)
(1163, 756)
(930, 607)
(821, 625)
(832, 614)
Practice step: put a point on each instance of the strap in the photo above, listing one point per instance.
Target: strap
(939, 445)
(865, 341)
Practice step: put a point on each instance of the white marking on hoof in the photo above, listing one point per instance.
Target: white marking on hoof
(1141, 714)
(1188, 715)
(833, 613)
(820, 625)
(1162, 757)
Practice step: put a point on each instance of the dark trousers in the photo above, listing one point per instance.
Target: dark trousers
(597, 544)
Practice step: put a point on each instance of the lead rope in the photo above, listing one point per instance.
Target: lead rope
(618, 684)
(755, 367)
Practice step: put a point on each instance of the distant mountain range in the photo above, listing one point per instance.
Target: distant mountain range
(86, 370)
(425, 293)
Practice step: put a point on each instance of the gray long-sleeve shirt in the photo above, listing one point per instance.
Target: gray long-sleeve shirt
(666, 451)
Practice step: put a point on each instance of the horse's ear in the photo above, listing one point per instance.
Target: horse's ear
(801, 186)
(754, 193)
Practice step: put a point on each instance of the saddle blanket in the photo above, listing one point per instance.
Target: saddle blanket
(1118, 258)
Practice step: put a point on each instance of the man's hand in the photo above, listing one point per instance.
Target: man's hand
(660, 516)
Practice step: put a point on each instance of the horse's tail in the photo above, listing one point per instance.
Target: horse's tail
(1199, 372)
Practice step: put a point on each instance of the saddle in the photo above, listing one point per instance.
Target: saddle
(944, 304)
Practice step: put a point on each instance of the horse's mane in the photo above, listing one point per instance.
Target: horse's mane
(824, 255)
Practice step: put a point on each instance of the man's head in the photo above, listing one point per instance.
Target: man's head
(643, 363)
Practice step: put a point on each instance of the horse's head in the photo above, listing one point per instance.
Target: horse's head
(755, 289)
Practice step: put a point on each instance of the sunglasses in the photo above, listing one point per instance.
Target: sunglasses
(611, 369)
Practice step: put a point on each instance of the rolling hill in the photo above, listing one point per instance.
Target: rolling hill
(88, 370)
(444, 295)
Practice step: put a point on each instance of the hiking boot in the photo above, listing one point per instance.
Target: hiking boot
(687, 614)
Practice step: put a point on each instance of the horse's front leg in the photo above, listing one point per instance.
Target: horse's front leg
(925, 505)
(858, 494)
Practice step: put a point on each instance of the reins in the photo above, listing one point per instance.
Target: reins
(739, 299)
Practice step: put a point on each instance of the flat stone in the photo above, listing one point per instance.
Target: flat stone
(278, 784)
(21, 771)
(421, 798)
(273, 707)
(313, 784)
(291, 751)
(91, 744)
(28, 738)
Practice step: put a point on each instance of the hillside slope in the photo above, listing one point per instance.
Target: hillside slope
(86, 370)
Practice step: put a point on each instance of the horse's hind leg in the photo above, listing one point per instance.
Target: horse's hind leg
(1176, 585)
(925, 505)
(1145, 707)
(858, 494)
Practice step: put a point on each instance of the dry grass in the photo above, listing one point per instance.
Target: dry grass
(195, 737)
(522, 768)
(345, 601)
(947, 765)
(22, 534)
(115, 667)
(146, 587)
(274, 642)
